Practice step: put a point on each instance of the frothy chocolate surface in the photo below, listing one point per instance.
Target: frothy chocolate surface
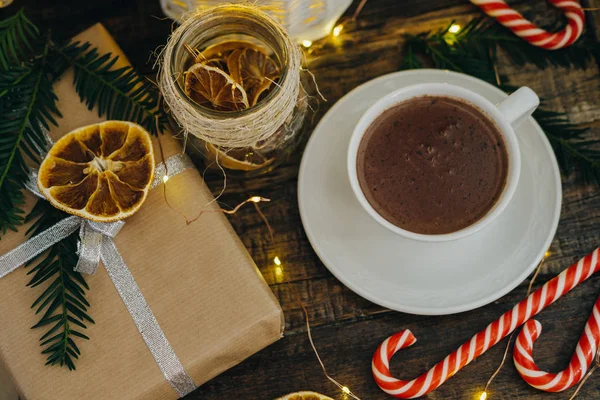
(432, 165)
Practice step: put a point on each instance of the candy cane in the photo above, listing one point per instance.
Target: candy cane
(521, 27)
(482, 341)
(580, 362)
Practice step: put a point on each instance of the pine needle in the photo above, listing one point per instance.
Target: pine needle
(27, 106)
(63, 302)
(119, 93)
(17, 35)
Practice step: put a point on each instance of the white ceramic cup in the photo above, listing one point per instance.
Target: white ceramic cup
(507, 115)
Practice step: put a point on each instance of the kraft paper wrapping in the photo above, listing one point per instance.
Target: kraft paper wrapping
(204, 289)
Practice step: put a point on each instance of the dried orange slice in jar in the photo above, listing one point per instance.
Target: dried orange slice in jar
(254, 70)
(210, 87)
(101, 172)
(239, 159)
(234, 66)
(221, 50)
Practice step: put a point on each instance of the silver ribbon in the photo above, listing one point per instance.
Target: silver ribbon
(96, 243)
(174, 165)
(35, 246)
(91, 235)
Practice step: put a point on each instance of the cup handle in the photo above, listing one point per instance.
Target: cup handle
(519, 106)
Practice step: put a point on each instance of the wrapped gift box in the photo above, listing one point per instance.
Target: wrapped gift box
(204, 289)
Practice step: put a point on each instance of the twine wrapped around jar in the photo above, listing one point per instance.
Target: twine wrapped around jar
(238, 129)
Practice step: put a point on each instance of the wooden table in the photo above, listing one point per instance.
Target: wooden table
(346, 328)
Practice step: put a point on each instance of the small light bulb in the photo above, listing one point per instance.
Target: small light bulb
(337, 30)
(346, 390)
(165, 178)
(547, 254)
(277, 261)
(256, 199)
(278, 272)
(306, 43)
(483, 396)
(455, 28)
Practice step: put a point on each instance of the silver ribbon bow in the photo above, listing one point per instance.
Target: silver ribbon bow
(96, 244)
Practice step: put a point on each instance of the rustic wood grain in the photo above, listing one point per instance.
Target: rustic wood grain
(346, 328)
(593, 16)
(347, 349)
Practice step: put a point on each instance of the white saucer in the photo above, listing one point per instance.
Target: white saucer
(420, 277)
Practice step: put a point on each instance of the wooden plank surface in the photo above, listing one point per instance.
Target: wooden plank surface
(346, 328)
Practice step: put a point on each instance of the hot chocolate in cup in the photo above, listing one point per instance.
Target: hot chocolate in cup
(437, 162)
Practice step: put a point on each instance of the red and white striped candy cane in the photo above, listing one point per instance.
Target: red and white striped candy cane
(514, 21)
(482, 341)
(580, 362)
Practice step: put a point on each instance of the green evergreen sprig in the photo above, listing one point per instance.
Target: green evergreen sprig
(118, 93)
(473, 51)
(17, 35)
(27, 106)
(571, 145)
(63, 304)
(30, 62)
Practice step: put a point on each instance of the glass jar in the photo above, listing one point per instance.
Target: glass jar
(235, 23)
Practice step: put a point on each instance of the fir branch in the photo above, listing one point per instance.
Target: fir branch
(447, 50)
(473, 50)
(571, 145)
(118, 93)
(27, 106)
(518, 51)
(63, 301)
(17, 35)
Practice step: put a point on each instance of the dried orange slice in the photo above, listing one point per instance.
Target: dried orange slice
(210, 87)
(254, 70)
(219, 63)
(304, 396)
(101, 172)
(222, 50)
(234, 66)
(237, 159)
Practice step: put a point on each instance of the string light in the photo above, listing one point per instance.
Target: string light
(454, 28)
(253, 199)
(307, 43)
(337, 30)
(278, 272)
(278, 268)
(359, 9)
(345, 389)
(450, 37)
(547, 254)
(483, 395)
